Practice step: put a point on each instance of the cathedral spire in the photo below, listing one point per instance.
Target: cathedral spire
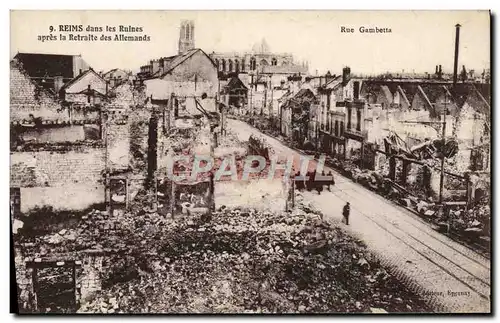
(186, 36)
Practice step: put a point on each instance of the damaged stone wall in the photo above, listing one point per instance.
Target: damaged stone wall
(88, 281)
(24, 281)
(26, 98)
(353, 148)
(139, 125)
(68, 179)
(117, 139)
(88, 278)
(66, 133)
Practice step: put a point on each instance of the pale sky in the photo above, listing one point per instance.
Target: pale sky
(419, 41)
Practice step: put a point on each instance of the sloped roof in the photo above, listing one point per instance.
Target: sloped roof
(403, 95)
(369, 87)
(409, 89)
(460, 93)
(387, 92)
(485, 90)
(333, 83)
(79, 77)
(111, 72)
(463, 91)
(433, 91)
(235, 83)
(174, 61)
(393, 87)
(304, 95)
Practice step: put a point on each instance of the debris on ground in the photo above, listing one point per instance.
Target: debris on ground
(241, 261)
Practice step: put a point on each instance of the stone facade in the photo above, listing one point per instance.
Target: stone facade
(70, 179)
(28, 98)
(260, 58)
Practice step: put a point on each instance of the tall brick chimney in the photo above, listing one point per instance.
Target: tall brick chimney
(356, 90)
(455, 63)
(346, 75)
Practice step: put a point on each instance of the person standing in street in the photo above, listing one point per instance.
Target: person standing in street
(346, 212)
(331, 181)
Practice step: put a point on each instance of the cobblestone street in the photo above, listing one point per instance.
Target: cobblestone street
(451, 276)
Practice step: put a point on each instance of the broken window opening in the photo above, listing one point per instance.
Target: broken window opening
(54, 286)
(349, 118)
(118, 194)
(358, 117)
(15, 201)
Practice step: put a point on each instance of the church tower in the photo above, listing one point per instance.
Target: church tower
(186, 38)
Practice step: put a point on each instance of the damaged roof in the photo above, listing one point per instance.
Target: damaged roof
(433, 91)
(334, 82)
(235, 83)
(41, 65)
(484, 90)
(409, 90)
(464, 91)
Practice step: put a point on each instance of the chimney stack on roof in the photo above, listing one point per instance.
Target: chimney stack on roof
(346, 75)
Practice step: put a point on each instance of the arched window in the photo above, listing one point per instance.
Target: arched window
(188, 32)
(183, 32)
(274, 61)
(264, 63)
(230, 65)
(253, 63)
(243, 64)
(236, 65)
(223, 67)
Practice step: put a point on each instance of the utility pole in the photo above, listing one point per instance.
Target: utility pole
(317, 130)
(441, 181)
(251, 90)
(443, 135)
(271, 108)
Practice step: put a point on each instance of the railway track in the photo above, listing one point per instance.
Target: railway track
(440, 261)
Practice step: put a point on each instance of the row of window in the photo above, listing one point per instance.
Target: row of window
(236, 66)
(187, 32)
(338, 127)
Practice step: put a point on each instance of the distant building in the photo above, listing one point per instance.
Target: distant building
(260, 58)
(85, 90)
(235, 93)
(51, 71)
(186, 37)
(190, 73)
(116, 77)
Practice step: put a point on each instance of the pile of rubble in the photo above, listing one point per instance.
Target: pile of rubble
(242, 260)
